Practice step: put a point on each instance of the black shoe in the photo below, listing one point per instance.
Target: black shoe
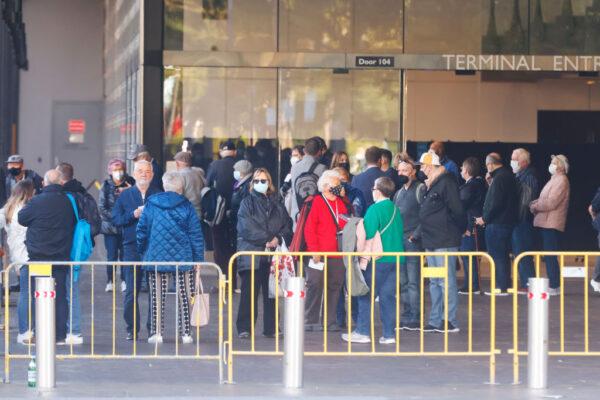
(464, 291)
(130, 336)
(451, 328)
(14, 288)
(333, 328)
(411, 326)
(431, 328)
(244, 335)
(272, 335)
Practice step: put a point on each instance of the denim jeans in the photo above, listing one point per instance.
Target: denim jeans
(24, 301)
(550, 238)
(410, 282)
(468, 244)
(74, 320)
(437, 286)
(132, 280)
(522, 241)
(114, 252)
(385, 288)
(497, 239)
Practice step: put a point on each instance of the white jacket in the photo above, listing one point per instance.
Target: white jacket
(15, 237)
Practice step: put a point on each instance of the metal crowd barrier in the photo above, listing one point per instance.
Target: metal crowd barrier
(113, 349)
(565, 271)
(425, 272)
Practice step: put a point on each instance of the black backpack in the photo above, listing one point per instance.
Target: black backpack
(305, 185)
(212, 206)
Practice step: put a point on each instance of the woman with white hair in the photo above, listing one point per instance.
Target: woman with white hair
(550, 214)
(169, 230)
(327, 218)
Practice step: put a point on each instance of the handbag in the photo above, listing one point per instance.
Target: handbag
(285, 264)
(200, 304)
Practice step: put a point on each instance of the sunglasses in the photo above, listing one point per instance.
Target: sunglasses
(260, 181)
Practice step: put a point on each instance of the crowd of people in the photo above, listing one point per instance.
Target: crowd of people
(395, 204)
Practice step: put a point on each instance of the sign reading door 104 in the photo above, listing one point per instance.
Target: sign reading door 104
(375, 61)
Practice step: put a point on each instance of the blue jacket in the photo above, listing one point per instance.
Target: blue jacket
(364, 182)
(122, 212)
(356, 199)
(451, 167)
(169, 230)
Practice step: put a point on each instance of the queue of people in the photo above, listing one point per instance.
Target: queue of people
(396, 204)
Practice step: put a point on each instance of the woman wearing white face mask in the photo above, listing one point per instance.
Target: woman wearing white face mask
(550, 214)
(262, 223)
(112, 187)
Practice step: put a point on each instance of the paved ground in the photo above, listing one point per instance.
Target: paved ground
(364, 377)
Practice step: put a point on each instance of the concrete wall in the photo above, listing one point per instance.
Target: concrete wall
(65, 44)
(441, 105)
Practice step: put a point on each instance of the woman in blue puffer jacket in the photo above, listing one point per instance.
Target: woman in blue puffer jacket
(169, 230)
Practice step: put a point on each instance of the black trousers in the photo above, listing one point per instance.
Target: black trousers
(223, 247)
(261, 284)
(59, 273)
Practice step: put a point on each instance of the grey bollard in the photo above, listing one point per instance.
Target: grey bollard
(537, 338)
(45, 332)
(293, 350)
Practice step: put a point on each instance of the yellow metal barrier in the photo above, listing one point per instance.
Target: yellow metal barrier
(561, 351)
(204, 268)
(430, 272)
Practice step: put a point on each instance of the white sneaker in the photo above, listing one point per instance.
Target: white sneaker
(25, 338)
(595, 286)
(237, 291)
(356, 337)
(109, 287)
(497, 293)
(123, 286)
(388, 340)
(73, 338)
(187, 339)
(155, 339)
(554, 291)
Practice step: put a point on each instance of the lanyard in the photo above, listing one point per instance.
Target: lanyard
(334, 214)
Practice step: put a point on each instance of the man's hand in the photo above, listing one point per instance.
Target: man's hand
(479, 221)
(138, 212)
(467, 233)
(272, 244)
(316, 259)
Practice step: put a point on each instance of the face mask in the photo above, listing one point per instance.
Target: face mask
(237, 175)
(261, 187)
(421, 176)
(345, 165)
(402, 179)
(515, 166)
(294, 160)
(118, 175)
(336, 190)
(552, 169)
(14, 171)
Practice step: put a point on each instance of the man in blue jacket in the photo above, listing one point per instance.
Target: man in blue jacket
(126, 214)
(365, 180)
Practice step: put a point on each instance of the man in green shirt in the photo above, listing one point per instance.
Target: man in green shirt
(383, 217)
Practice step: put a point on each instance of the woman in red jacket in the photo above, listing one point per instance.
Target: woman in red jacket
(327, 217)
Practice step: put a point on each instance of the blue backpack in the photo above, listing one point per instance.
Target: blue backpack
(82, 246)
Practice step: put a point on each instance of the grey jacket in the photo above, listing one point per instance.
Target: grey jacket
(193, 183)
(409, 202)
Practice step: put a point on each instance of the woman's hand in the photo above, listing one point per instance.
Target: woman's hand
(273, 243)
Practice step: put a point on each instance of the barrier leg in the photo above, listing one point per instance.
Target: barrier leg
(45, 336)
(293, 356)
(537, 345)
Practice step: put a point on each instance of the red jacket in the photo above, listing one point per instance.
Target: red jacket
(320, 229)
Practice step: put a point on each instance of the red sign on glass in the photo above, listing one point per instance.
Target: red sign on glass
(76, 126)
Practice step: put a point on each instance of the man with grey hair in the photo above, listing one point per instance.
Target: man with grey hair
(193, 183)
(50, 223)
(126, 213)
(499, 218)
(523, 234)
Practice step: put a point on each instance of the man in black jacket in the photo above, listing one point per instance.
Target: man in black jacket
(50, 222)
(88, 210)
(220, 176)
(472, 195)
(499, 218)
(443, 221)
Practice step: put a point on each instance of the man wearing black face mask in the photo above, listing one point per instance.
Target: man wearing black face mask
(16, 173)
(408, 199)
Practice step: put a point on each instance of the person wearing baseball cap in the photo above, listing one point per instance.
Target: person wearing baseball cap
(16, 173)
(443, 221)
(220, 176)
